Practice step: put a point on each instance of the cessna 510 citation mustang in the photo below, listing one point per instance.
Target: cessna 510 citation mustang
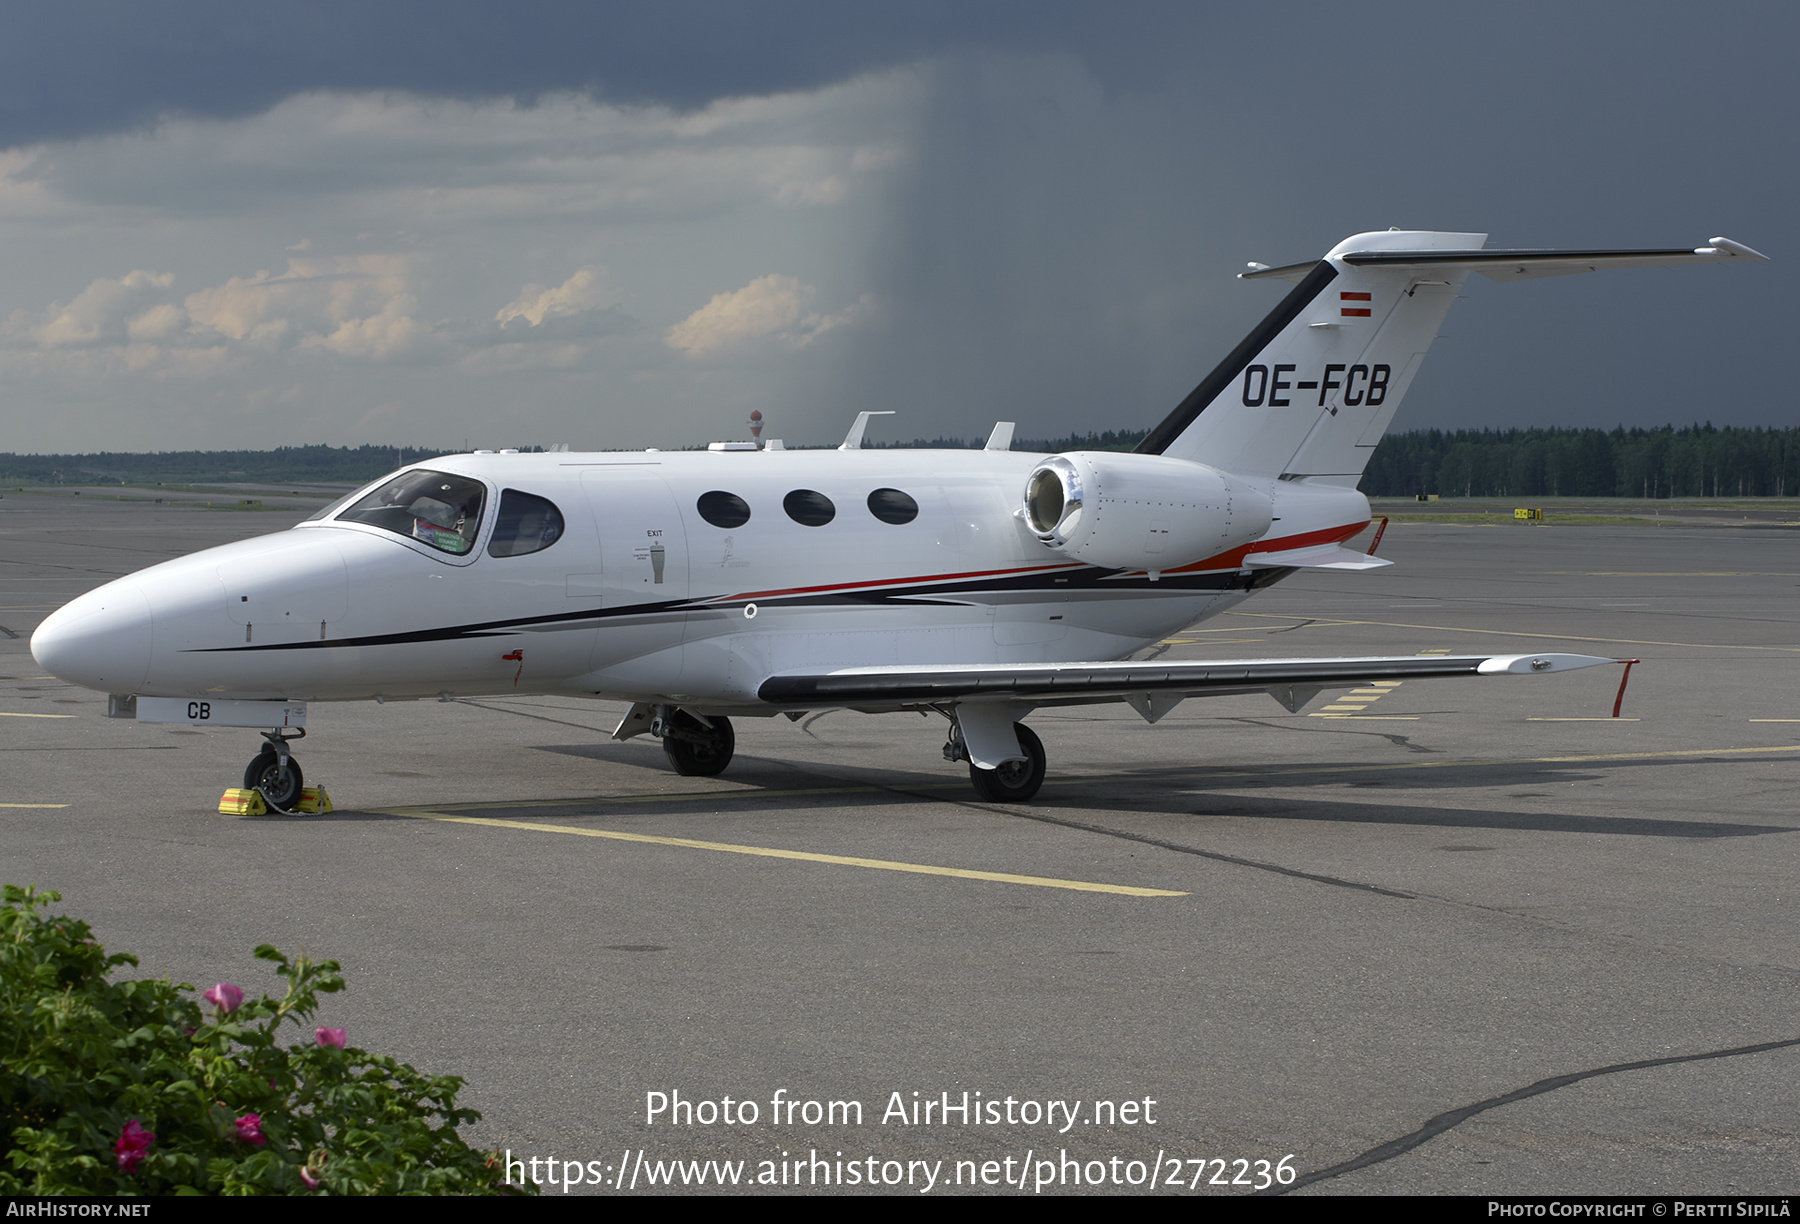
(750, 580)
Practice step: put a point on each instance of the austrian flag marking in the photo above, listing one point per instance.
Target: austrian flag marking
(1354, 312)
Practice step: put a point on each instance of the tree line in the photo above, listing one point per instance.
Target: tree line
(1693, 461)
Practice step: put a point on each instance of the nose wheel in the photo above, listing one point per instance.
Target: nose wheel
(279, 781)
(276, 773)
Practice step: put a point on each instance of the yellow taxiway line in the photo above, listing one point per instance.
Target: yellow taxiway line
(1513, 633)
(16, 714)
(33, 805)
(1667, 754)
(961, 873)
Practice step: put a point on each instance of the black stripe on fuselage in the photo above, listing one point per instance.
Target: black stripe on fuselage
(1090, 578)
(1227, 371)
(448, 633)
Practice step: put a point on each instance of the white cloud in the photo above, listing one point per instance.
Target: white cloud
(98, 312)
(353, 249)
(766, 306)
(864, 309)
(769, 307)
(390, 333)
(535, 303)
(159, 322)
(360, 307)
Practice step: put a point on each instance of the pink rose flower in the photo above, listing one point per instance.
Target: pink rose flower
(225, 997)
(249, 1129)
(330, 1037)
(134, 1142)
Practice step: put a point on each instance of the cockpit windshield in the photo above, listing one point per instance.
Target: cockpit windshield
(434, 508)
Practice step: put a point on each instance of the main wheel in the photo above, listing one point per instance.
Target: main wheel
(281, 787)
(696, 751)
(1015, 781)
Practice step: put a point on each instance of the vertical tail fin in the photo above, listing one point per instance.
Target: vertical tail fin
(1311, 390)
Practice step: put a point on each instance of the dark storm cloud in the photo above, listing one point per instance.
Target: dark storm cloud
(96, 66)
(1063, 254)
(1051, 202)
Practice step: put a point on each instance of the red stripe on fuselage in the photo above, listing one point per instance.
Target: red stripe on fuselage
(1229, 560)
(884, 582)
(1306, 539)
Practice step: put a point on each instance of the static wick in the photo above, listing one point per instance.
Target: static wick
(1620, 699)
(1376, 542)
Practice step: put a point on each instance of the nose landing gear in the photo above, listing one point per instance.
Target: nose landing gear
(276, 774)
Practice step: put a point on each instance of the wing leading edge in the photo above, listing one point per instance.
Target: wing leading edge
(1293, 682)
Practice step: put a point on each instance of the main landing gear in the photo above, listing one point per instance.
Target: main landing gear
(697, 746)
(275, 773)
(1014, 781)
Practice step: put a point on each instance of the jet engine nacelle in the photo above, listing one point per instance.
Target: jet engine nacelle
(1141, 511)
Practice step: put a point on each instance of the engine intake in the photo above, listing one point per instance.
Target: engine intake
(1141, 511)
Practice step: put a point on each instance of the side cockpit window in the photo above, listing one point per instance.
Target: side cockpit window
(434, 508)
(526, 524)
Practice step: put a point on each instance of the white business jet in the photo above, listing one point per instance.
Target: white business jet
(750, 580)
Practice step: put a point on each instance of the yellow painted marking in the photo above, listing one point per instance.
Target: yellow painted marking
(16, 714)
(1551, 760)
(1386, 684)
(1371, 717)
(33, 805)
(1554, 637)
(747, 792)
(1368, 692)
(1352, 708)
(998, 877)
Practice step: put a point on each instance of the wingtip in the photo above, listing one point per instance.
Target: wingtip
(1737, 250)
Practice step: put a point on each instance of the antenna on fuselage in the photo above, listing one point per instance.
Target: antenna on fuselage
(853, 439)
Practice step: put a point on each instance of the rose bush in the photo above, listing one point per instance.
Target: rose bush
(129, 1087)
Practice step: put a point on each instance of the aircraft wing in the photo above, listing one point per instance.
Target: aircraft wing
(1152, 687)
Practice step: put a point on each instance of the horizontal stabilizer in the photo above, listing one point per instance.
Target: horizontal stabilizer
(1320, 556)
(1528, 265)
(1524, 265)
(1045, 684)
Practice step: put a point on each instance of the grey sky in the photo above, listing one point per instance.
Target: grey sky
(633, 224)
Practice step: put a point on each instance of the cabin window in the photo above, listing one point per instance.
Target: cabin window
(809, 507)
(893, 506)
(434, 508)
(723, 509)
(525, 523)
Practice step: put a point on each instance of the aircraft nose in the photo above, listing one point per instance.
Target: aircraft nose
(99, 641)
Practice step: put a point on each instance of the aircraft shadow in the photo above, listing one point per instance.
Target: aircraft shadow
(1168, 791)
